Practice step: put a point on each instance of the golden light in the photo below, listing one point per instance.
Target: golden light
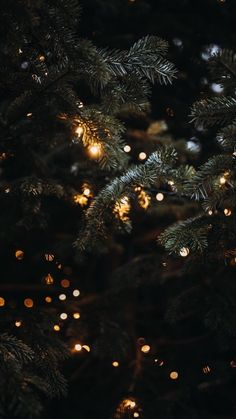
(136, 415)
(63, 316)
(18, 323)
(62, 297)
(210, 212)
(19, 254)
(76, 293)
(223, 180)
(76, 316)
(95, 150)
(79, 131)
(227, 212)
(48, 299)
(78, 347)
(127, 148)
(49, 279)
(122, 208)
(143, 198)
(41, 58)
(80, 199)
(174, 375)
(86, 347)
(56, 327)
(142, 156)
(145, 349)
(159, 196)
(65, 283)
(49, 257)
(29, 114)
(128, 403)
(2, 302)
(184, 252)
(87, 192)
(115, 364)
(28, 302)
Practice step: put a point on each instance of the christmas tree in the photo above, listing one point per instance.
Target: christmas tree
(117, 235)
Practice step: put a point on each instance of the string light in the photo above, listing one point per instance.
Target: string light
(136, 415)
(184, 252)
(222, 180)
(86, 347)
(19, 254)
(210, 212)
(29, 114)
(159, 196)
(56, 327)
(122, 208)
(65, 283)
(127, 148)
(48, 299)
(63, 316)
(95, 150)
(227, 212)
(206, 369)
(76, 315)
(142, 156)
(143, 198)
(145, 349)
(174, 375)
(49, 279)
(79, 131)
(41, 58)
(28, 302)
(78, 347)
(2, 302)
(18, 323)
(76, 293)
(62, 297)
(115, 364)
(87, 192)
(128, 403)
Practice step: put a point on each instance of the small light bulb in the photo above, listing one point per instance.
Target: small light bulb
(86, 192)
(2, 302)
(76, 293)
(76, 315)
(86, 347)
(63, 316)
(174, 375)
(56, 327)
(49, 257)
(62, 297)
(184, 252)
(142, 156)
(28, 302)
(127, 148)
(222, 180)
(19, 254)
(136, 415)
(95, 150)
(78, 347)
(210, 212)
(79, 131)
(115, 364)
(18, 323)
(65, 283)
(49, 279)
(159, 196)
(48, 299)
(227, 212)
(145, 349)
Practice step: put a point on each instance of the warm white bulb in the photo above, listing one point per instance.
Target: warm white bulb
(142, 156)
(76, 293)
(159, 196)
(127, 148)
(63, 316)
(184, 252)
(62, 297)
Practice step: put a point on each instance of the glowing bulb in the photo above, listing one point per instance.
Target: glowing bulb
(127, 148)
(136, 415)
(145, 349)
(78, 347)
(223, 180)
(48, 299)
(76, 315)
(19, 254)
(129, 403)
(62, 297)
(210, 212)
(41, 58)
(49, 279)
(79, 131)
(159, 196)
(86, 192)
(170, 182)
(86, 347)
(227, 212)
(65, 283)
(2, 302)
(56, 327)
(18, 323)
(184, 252)
(174, 375)
(76, 293)
(49, 257)
(95, 150)
(115, 364)
(28, 302)
(142, 156)
(206, 369)
(29, 114)
(63, 316)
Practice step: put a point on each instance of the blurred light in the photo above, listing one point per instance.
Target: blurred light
(115, 364)
(2, 302)
(136, 415)
(95, 150)
(62, 297)
(159, 196)
(49, 279)
(145, 349)
(184, 252)
(177, 42)
(65, 283)
(56, 327)
(63, 316)
(217, 88)
(210, 51)
(49, 257)
(142, 156)
(86, 347)
(19, 254)
(28, 302)
(86, 192)
(127, 148)
(48, 299)
(174, 375)
(18, 323)
(78, 347)
(79, 131)
(76, 293)
(227, 212)
(76, 315)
